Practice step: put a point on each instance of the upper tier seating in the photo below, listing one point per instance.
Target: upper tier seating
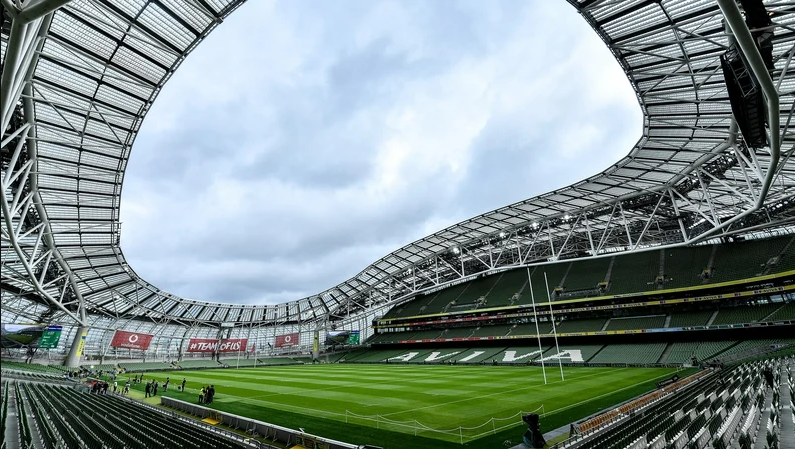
(629, 273)
(555, 273)
(687, 319)
(544, 327)
(499, 330)
(644, 322)
(684, 268)
(586, 274)
(741, 260)
(635, 272)
(507, 287)
(581, 325)
(749, 314)
(242, 361)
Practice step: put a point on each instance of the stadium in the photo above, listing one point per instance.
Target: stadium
(650, 305)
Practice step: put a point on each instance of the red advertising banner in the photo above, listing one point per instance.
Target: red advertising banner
(287, 340)
(131, 340)
(211, 345)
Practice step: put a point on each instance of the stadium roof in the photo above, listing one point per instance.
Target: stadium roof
(89, 72)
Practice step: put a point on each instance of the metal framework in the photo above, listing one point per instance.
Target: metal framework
(78, 78)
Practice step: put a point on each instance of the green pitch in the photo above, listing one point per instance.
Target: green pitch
(377, 403)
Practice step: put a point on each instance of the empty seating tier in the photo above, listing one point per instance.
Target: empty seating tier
(749, 314)
(644, 322)
(146, 366)
(689, 319)
(630, 353)
(581, 325)
(54, 416)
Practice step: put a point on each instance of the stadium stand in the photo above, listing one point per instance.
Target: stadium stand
(733, 408)
(544, 327)
(277, 361)
(632, 273)
(746, 259)
(34, 367)
(56, 416)
(674, 268)
(507, 290)
(555, 275)
(194, 364)
(751, 314)
(478, 355)
(242, 362)
(497, 330)
(586, 351)
(687, 319)
(581, 325)
(431, 334)
(683, 268)
(108, 368)
(683, 352)
(519, 355)
(145, 366)
(785, 312)
(644, 322)
(586, 274)
(630, 353)
(746, 348)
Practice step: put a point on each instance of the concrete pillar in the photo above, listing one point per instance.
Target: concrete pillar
(73, 359)
(316, 345)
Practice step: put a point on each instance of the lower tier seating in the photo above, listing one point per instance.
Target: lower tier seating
(734, 407)
(55, 416)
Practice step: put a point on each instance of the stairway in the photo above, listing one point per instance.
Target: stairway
(711, 262)
(667, 320)
(565, 275)
(712, 318)
(610, 269)
(779, 255)
(604, 328)
(667, 350)
(771, 313)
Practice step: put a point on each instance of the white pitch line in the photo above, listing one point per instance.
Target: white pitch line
(603, 395)
(494, 394)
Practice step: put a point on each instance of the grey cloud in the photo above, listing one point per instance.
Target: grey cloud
(299, 110)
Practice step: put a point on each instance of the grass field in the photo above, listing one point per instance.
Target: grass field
(388, 404)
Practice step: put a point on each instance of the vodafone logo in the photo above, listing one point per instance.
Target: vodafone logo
(133, 338)
(288, 338)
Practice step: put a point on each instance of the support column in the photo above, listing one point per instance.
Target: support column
(73, 359)
(315, 345)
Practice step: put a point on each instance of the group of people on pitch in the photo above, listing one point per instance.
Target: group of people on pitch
(206, 395)
(150, 389)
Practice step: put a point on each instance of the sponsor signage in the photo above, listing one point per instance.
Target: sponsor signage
(81, 344)
(287, 340)
(590, 308)
(50, 337)
(664, 383)
(212, 345)
(131, 340)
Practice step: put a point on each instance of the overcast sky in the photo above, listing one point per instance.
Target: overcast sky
(303, 140)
